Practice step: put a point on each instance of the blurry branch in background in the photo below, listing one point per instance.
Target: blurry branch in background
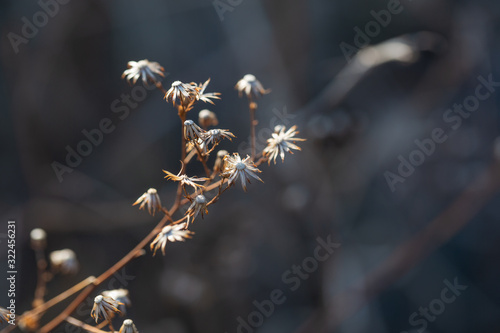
(447, 74)
(409, 254)
(404, 49)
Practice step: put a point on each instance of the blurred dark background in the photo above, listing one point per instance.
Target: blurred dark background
(360, 114)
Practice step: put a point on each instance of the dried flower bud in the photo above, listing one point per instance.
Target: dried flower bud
(151, 199)
(128, 327)
(120, 295)
(192, 131)
(64, 261)
(105, 308)
(252, 88)
(38, 239)
(219, 161)
(207, 118)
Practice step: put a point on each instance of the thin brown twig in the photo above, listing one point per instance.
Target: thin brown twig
(75, 322)
(253, 107)
(42, 277)
(49, 327)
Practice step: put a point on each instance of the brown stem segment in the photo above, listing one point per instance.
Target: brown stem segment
(49, 327)
(252, 106)
(88, 328)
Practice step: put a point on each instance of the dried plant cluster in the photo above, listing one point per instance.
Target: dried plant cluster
(196, 194)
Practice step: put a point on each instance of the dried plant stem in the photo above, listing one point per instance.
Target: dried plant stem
(203, 161)
(88, 328)
(253, 122)
(42, 277)
(160, 87)
(182, 115)
(49, 327)
(56, 300)
(62, 296)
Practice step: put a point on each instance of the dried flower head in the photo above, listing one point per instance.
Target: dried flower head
(64, 261)
(207, 118)
(206, 97)
(214, 136)
(105, 308)
(4, 315)
(281, 141)
(183, 94)
(172, 233)
(219, 160)
(192, 131)
(38, 239)
(150, 199)
(199, 205)
(235, 167)
(185, 180)
(128, 327)
(120, 295)
(251, 87)
(148, 71)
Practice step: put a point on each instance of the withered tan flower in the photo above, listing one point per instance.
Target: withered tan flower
(235, 167)
(214, 136)
(206, 97)
(281, 141)
(198, 205)
(252, 87)
(172, 233)
(121, 296)
(151, 199)
(192, 131)
(185, 180)
(128, 327)
(183, 94)
(104, 308)
(147, 70)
